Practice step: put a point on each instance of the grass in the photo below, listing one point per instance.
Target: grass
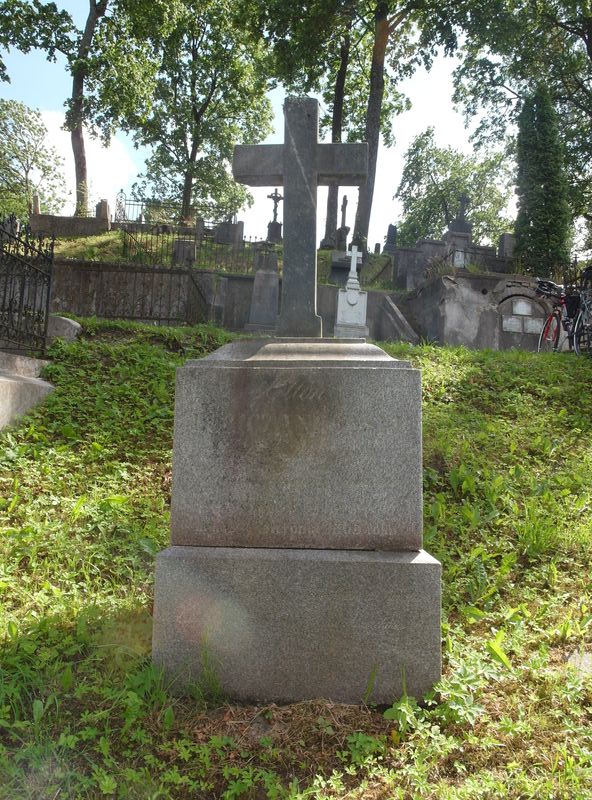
(85, 484)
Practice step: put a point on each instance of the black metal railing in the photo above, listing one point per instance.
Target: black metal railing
(162, 246)
(25, 282)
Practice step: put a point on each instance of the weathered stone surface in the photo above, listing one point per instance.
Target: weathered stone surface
(352, 305)
(287, 625)
(312, 443)
(265, 298)
(20, 386)
(62, 328)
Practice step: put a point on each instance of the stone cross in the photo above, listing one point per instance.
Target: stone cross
(300, 165)
(277, 198)
(464, 202)
(343, 210)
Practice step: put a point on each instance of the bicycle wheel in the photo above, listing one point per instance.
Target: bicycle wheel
(549, 338)
(582, 336)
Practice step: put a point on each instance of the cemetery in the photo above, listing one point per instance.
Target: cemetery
(305, 516)
(264, 621)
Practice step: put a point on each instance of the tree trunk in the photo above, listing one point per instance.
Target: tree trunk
(76, 111)
(336, 129)
(381, 37)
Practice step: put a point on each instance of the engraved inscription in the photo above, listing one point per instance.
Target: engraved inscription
(278, 419)
(291, 391)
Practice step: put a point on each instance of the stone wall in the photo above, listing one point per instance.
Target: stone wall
(53, 225)
(479, 311)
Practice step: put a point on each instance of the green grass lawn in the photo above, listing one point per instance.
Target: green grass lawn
(85, 484)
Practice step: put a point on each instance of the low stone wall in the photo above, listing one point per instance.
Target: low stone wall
(52, 225)
(111, 291)
(115, 291)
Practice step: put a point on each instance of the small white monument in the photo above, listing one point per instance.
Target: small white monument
(351, 305)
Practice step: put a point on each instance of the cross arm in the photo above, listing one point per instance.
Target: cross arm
(345, 164)
(258, 164)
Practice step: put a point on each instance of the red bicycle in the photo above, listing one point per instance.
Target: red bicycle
(562, 317)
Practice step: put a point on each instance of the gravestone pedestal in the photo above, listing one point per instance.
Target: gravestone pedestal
(296, 567)
(265, 298)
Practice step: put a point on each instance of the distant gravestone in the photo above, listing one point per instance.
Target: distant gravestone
(265, 297)
(343, 230)
(184, 251)
(351, 305)
(229, 233)
(391, 240)
(460, 224)
(274, 228)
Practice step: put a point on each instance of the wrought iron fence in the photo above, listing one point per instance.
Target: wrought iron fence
(25, 282)
(162, 246)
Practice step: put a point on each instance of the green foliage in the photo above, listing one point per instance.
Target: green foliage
(433, 180)
(28, 165)
(210, 94)
(84, 490)
(543, 223)
(511, 47)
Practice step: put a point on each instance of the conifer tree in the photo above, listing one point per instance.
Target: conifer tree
(543, 223)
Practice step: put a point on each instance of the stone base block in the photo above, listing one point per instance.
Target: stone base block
(350, 331)
(288, 625)
(298, 443)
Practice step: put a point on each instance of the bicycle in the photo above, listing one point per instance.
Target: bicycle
(583, 323)
(566, 305)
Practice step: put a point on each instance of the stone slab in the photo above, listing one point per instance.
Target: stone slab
(298, 443)
(18, 394)
(288, 625)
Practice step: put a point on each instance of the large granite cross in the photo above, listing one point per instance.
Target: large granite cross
(300, 165)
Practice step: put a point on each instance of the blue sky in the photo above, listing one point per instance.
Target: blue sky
(45, 86)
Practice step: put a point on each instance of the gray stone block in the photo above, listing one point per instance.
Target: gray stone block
(62, 328)
(288, 625)
(313, 444)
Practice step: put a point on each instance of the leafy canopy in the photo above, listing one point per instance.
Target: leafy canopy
(433, 180)
(210, 94)
(28, 164)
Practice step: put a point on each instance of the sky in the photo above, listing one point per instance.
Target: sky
(45, 86)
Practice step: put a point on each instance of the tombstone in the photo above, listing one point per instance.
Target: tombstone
(377, 249)
(343, 230)
(102, 211)
(351, 305)
(274, 228)
(10, 226)
(460, 224)
(36, 208)
(506, 245)
(229, 233)
(295, 569)
(199, 228)
(340, 265)
(183, 252)
(265, 297)
(391, 240)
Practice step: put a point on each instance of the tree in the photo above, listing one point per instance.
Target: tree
(111, 60)
(28, 165)
(389, 37)
(510, 47)
(432, 182)
(210, 94)
(543, 221)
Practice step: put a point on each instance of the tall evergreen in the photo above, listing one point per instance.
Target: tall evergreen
(543, 223)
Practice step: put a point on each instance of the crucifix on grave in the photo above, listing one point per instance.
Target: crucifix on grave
(277, 198)
(300, 165)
